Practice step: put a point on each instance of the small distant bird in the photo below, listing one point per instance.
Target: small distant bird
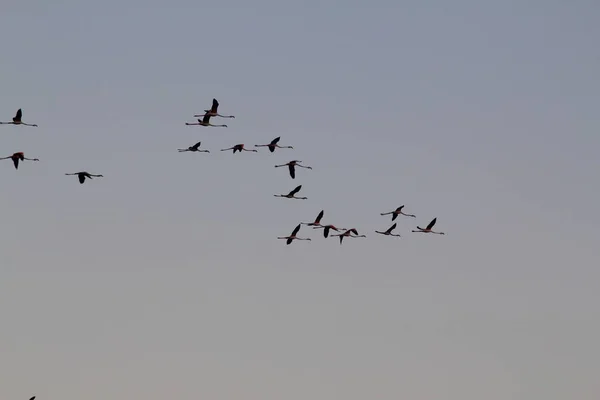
(327, 228)
(83, 175)
(292, 167)
(205, 122)
(396, 212)
(349, 233)
(293, 236)
(16, 157)
(317, 221)
(428, 228)
(238, 147)
(291, 194)
(213, 111)
(273, 145)
(194, 148)
(17, 120)
(389, 231)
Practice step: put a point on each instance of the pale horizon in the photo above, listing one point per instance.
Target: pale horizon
(165, 278)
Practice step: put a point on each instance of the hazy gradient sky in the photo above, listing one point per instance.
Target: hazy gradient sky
(164, 280)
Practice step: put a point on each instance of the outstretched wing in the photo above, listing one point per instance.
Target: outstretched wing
(195, 147)
(215, 105)
(353, 231)
(326, 231)
(273, 143)
(391, 228)
(399, 208)
(206, 118)
(394, 216)
(19, 115)
(292, 171)
(296, 190)
(295, 231)
(318, 220)
(431, 224)
(16, 162)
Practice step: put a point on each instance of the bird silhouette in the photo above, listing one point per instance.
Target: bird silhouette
(16, 157)
(273, 145)
(82, 175)
(17, 120)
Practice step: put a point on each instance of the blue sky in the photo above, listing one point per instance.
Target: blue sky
(165, 278)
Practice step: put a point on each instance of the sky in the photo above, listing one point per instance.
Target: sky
(165, 278)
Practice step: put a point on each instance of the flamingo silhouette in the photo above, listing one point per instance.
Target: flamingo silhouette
(194, 148)
(291, 194)
(17, 120)
(317, 221)
(327, 228)
(389, 231)
(292, 237)
(396, 212)
(205, 122)
(213, 111)
(16, 157)
(82, 175)
(292, 167)
(428, 228)
(238, 147)
(349, 233)
(273, 145)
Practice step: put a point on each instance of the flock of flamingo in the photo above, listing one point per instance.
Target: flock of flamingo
(274, 144)
(20, 156)
(316, 224)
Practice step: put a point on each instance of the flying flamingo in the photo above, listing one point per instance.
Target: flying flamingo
(396, 212)
(18, 157)
(317, 221)
(291, 194)
(205, 122)
(389, 231)
(428, 228)
(17, 120)
(273, 145)
(194, 148)
(83, 175)
(293, 236)
(292, 167)
(327, 228)
(33, 398)
(238, 147)
(348, 234)
(213, 111)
